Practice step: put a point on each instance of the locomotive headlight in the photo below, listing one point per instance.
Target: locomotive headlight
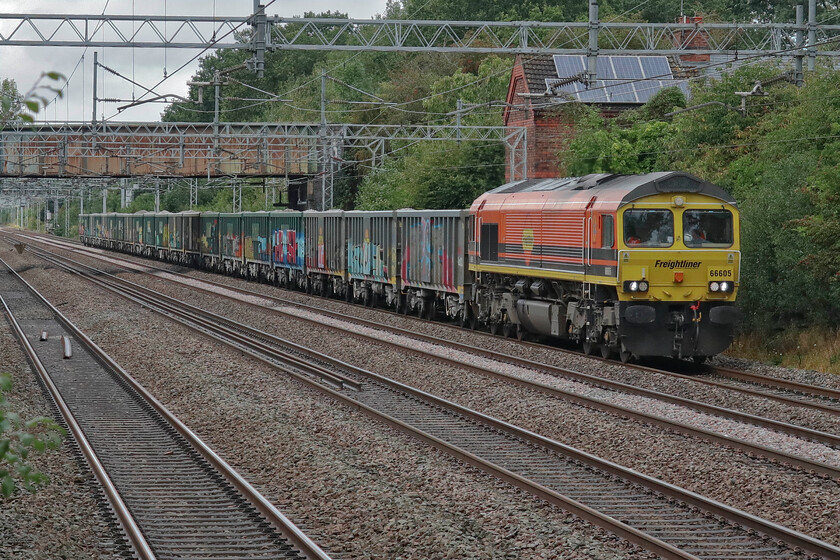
(725, 286)
(714, 287)
(636, 286)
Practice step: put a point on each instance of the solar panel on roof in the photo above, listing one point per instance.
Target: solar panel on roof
(596, 94)
(568, 65)
(605, 68)
(620, 79)
(627, 67)
(655, 66)
(570, 89)
(623, 92)
(645, 90)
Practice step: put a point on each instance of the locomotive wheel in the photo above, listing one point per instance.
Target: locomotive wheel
(587, 347)
(421, 308)
(606, 351)
(431, 311)
(473, 321)
(494, 327)
(699, 359)
(374, 299)
(624, 354)
(520, 333)
(508, 329)
(464, 317)
(398, 303)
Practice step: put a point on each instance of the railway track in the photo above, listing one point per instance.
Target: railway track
(662, 518)
(776, 387)
(173, 496)
(786, 392)
(372, 333)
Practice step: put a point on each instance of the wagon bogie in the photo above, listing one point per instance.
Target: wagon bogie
(324, 253)
(433, 256)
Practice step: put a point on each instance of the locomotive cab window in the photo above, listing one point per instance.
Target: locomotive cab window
(489, 244)
(648, 228)
(607, 232)
(707, 228)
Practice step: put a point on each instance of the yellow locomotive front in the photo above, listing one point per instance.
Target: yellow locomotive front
(679, 264)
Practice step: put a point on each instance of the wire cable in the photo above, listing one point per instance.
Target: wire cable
(190, 61)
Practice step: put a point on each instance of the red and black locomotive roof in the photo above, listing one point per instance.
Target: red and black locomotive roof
(628, 187)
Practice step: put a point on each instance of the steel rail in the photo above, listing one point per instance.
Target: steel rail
(823, 437)
(808, 465)
(214, 323)
(593, 380)
(132, 530)
(259, 502)
(799, 540)
(764, 380)
(789, 536)
(802, 388)
(546, 367)
(621, 529)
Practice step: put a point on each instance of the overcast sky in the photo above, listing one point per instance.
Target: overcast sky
(145, 66)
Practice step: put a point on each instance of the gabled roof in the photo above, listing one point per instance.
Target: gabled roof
(537, 70)
(628, 80)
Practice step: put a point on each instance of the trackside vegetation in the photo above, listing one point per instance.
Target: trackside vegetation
(779, 159)
(20, 437)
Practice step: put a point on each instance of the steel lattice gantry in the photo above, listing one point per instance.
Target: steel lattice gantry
(115, 149)
(273, 32)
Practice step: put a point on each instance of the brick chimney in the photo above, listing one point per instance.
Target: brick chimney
(692, 39)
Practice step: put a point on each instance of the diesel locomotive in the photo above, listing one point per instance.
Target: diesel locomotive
(630, 265)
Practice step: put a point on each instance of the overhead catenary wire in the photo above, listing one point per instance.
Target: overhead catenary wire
(398, 106)
(190, 61)
(757, 58)
(428, 97)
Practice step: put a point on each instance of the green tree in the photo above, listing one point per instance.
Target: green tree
(574, 10)
(244, 96)
(17, 107)
(10, 100)
(445, 174)
(637, 142)
(779, 160)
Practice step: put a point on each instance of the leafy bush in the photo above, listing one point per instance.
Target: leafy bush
(18, 438)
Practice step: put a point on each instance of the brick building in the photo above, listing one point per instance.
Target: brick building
(549, 128)
(540, 94)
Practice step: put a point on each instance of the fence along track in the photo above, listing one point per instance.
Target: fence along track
(185, 502)
(662, 518)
